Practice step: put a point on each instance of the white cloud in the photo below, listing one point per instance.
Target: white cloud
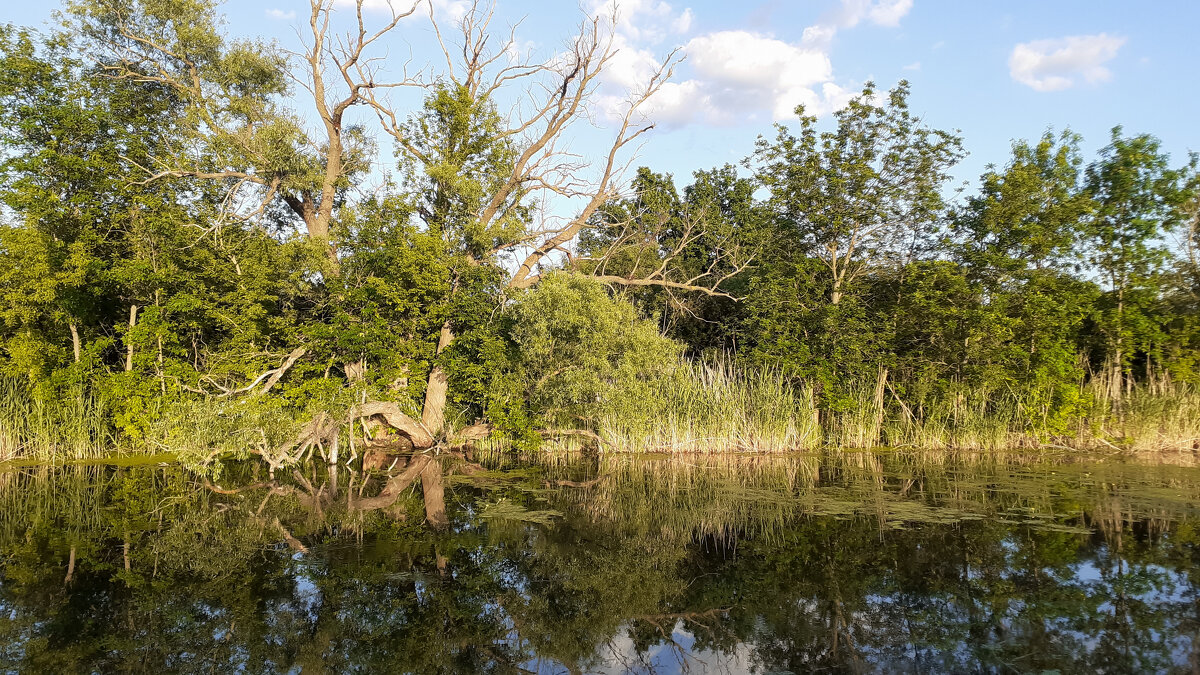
(645, 21)
(853, 12)
(446, 9)
(1057, 64)
(280, 14)
(683, 22)
(733, 76)
(915, 65)
(745, 72)
(889, 12)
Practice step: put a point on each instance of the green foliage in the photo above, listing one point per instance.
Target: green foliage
(578, 347)
(172, 234)
(1138, 199)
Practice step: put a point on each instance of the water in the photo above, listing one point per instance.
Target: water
(855, 563)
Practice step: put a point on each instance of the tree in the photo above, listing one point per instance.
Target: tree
(243, 137)
(660, 245)
(577, 346)
(472, 176)
(866, 193)
(1137, 198)
(1021, 241)
(1031, 214)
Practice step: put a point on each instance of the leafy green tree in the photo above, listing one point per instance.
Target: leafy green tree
(660, 245)
(578, 345)
(1137, 198)
(1021, 241)
(848, 203)
(237, 130)
(866, 193)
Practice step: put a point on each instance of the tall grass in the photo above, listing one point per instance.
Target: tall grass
(1145, 417)
(718, 407)
(711, 407)
(74, 426)
(1158, 415)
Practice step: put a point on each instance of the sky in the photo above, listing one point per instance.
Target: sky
(995, 71)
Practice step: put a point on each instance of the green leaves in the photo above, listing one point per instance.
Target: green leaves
(865, 193)
(1137, 199)
(577, 345)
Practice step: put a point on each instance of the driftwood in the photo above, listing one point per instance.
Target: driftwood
(391, 414)
(473, 432)
(465, 438)
(583, 433)
(324, 430)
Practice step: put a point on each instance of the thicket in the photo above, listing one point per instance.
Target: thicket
(185, 266)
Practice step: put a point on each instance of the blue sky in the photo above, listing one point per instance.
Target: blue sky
(997, 71)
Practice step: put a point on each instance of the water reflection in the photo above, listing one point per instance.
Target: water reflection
(856, 563)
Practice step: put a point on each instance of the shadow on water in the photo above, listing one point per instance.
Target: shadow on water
(834, 563)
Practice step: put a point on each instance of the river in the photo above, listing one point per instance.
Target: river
(836, 562)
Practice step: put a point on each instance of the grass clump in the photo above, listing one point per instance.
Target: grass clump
(73, 426)
(711, 407)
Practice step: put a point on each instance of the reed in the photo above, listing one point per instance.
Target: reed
(1139, 418)
(711, 407)
(1154, 416)
(75, 426)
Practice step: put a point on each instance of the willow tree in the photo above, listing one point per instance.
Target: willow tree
(496, 185)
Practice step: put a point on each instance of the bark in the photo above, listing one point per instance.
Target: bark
(433, 413)
(128, 341)
(391, 413)
(75, 345)
(475, 432)
(356, 371)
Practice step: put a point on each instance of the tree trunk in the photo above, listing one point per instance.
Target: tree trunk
(128, 340)
(316, 223)
(75, 345)
(433, 413)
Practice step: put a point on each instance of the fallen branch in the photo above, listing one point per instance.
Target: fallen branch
(271, 376)
(585, 433)
(395, 418)
(475, 432)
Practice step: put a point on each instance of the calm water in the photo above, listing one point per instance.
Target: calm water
(858, 563)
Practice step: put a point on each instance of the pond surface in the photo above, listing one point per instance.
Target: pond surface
(837, 563)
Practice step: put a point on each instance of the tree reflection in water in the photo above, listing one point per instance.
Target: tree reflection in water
(833, 564)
